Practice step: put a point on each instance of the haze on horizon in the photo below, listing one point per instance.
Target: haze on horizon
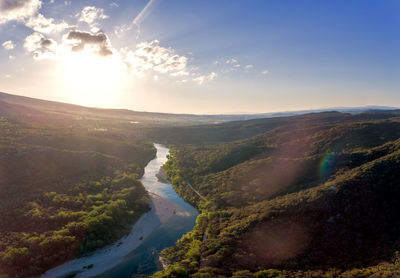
(202, 56)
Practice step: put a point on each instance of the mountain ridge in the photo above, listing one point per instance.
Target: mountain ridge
(57, 106)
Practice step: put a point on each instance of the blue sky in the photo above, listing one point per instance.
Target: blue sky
(218, 56)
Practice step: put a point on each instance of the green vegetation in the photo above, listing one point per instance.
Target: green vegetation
(314, 195)
(66, 191)
(306, 196)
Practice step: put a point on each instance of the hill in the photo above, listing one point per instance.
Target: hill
(303, 196)
(65, 189)
(37, 110)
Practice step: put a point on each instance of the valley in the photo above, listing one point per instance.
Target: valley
(311, 195)
(199, 139)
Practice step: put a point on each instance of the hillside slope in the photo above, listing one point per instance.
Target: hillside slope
(310, 196)
(64, 190)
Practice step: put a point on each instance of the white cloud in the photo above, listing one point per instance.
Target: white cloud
(180, 73)
(90, 15)
(40, 46)
(45, 25)
(151, 56)
(146, 58)
(201, 79)
(67, 3)
(18, 9)
(8, 45)
(74, 41)
(11, 57)
(248, 67)
(236, 66)
(7, 76)
(113, 4)
(265, 72)
(231, 61)
(119, 30)
(26, 11)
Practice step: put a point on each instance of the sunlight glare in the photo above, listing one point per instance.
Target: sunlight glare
(91, 80)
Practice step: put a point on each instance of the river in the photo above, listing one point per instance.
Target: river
(137, 253)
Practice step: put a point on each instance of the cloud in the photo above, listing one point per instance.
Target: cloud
(231, 61)
(201, 79)
(90, 15)
(151, 56)
(265, 72)
(67, 3)
(40, 46)
(248, 67)
(119, 30)
(74, 41)
(8, 45)
(18, 9)
(113, 4)
(180, 73)
(45, 25)
(98, 43)
(146, 57)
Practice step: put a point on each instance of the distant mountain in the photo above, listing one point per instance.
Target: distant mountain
(70, 111)
(351, 110)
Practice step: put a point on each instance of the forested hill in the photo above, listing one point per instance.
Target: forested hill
(65, 189)
(305, 196)
(231, 131)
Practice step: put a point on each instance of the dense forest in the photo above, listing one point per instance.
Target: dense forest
(304, 196)
(66, 188)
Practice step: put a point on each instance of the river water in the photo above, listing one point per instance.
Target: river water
(144, 259)
(137, 253)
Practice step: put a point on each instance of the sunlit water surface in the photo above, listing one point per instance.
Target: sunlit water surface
(144, 259)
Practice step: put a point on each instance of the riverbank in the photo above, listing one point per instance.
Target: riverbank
(108, 257)
(170, 217)
(162, 176)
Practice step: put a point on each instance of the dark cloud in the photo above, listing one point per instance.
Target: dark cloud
(99, 42)
(9, 5)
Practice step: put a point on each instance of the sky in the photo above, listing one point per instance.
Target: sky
(203, 57)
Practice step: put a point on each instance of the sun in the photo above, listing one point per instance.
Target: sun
(91, 80)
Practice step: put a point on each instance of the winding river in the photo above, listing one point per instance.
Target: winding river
(137, 253)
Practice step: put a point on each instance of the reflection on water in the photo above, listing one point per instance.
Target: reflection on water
(144, 259)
